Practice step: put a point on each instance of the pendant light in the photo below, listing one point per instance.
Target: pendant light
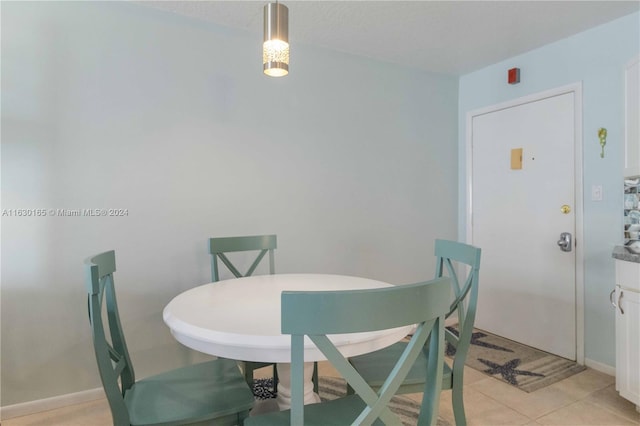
(275, 49)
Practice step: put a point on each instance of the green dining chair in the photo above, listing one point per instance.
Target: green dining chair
(211, 391)
(219, 248)
(452, 258)
(318, 314)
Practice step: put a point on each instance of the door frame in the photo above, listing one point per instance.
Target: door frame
(576, 89)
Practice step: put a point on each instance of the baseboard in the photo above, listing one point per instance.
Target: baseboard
(40, 405)
(598, 366)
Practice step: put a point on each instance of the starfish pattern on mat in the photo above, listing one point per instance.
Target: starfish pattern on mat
(264, 389)
(507, 370)
(475, 340)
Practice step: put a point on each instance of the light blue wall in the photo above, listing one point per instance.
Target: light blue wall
(351, 162)
(597, 59)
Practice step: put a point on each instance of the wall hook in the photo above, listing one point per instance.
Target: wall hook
(602, 134)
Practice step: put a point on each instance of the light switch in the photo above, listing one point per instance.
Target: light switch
(596, 193)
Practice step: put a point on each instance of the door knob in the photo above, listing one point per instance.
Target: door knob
(565, 241)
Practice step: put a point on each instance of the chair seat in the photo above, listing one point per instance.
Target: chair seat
(341, 411)
(375, 367)
(198, 392)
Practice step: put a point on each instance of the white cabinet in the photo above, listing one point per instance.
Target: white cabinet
(627, 302)
(632, 119)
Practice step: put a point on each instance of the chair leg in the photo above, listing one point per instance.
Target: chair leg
(248, 374)
(314, 378)
(458, 405)
(275, 380)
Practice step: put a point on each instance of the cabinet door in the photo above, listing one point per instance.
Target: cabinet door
(628, 275)
(632, 119)
(628, 344)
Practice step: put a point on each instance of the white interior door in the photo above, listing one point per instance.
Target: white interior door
(528, 284)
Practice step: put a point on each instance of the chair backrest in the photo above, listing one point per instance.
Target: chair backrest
(455, 259)
(317, 314)
(262, 243)
(114, 364)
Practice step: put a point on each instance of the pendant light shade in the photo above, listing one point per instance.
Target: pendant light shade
(275, 49)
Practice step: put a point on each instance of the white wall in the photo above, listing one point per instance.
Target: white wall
(597, 59)
(112, 105)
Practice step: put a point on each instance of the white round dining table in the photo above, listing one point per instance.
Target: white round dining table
(240, 319)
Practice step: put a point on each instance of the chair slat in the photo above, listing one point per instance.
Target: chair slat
(233, 244)
(255, 263)
(229, 265)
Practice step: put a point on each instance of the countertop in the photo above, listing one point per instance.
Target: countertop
(622, 253)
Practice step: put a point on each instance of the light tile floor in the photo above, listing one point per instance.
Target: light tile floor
(587, 398)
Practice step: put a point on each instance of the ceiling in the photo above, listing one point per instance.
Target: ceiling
(453, 37)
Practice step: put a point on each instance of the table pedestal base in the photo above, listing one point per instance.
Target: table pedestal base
(284, 386)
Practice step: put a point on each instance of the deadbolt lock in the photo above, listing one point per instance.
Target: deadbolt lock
(565, 209)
